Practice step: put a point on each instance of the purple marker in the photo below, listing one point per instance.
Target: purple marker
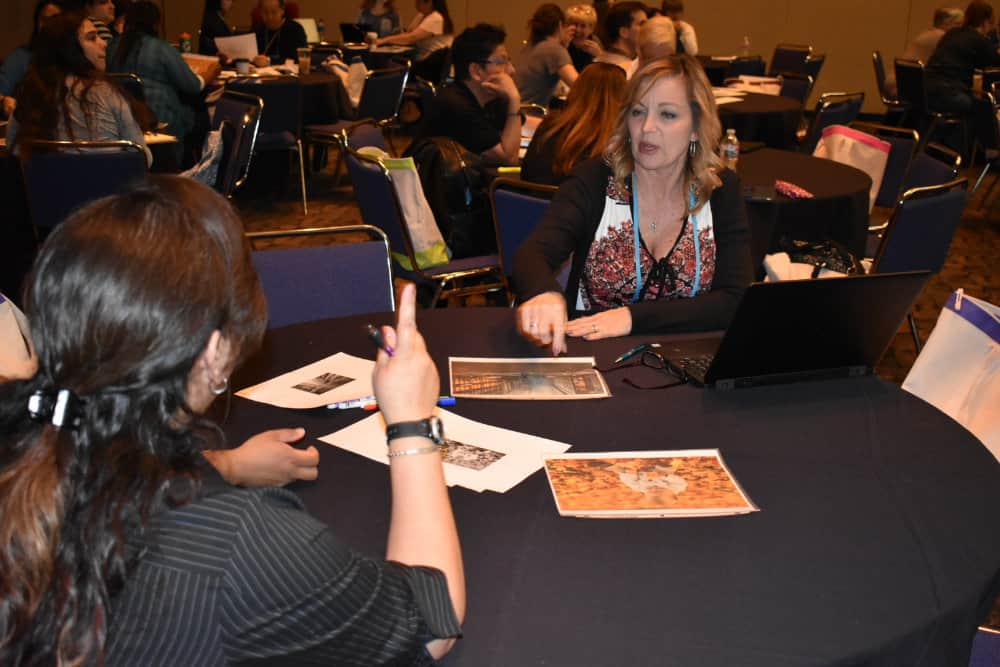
(376, 335)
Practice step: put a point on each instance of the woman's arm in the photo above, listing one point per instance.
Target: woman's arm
(178, 74)
(405, 38)
(266, 459)
(128, 126)
(568, 74)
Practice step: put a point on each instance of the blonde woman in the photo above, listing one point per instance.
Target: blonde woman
(657, 228)
(584, 45)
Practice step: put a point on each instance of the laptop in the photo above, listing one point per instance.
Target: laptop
(795, 330)
(353, 32)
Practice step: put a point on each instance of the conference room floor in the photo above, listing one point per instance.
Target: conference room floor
(972, 261)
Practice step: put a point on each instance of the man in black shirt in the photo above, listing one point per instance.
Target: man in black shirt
(278, 38)
(481, 110)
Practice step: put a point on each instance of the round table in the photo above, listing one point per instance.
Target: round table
(771, 119)
(876, 542)
(324, 99)
(838, 210)
(715, 69)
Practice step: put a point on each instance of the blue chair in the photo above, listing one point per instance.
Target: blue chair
(281, 118)
(344, 276)
(789, 58)
(832, 109)
(902, 145)
(61, 176)
(985, 648)
(920, 231)
(933, 165)
(380, 207)
(518, 207)
(238, 116)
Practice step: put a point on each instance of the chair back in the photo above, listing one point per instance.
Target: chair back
(130, 83)
(902, 144)
(934, 165)
(382, 93)
(518, 207)
(795, 86)
(365, 133)
(985, 648)
(281, 97)
(911, 86)
(789, 58)
(745, 66)
(879, 66)
(921, 228)
(238, 115)
(832, 109)
(320, 52)
(61, 176)
(813, 65)
(343, 275)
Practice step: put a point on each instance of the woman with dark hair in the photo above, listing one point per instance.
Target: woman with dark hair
(544, 62)
(15, 65)
(119, 545)
(657, 229)
(65, 96)
(165, 76)
(213, 24)
(429, 31)
(579, 131)
(380, 16)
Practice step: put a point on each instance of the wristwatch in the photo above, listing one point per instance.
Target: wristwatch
(425, 428)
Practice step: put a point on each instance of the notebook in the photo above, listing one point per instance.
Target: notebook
(800, 330)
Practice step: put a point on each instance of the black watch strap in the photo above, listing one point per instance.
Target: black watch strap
(424, 428)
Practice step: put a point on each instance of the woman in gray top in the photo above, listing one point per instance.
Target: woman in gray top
(545, 61)
(64, 94)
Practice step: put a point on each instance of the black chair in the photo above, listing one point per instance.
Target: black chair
(902, 146)
(796, 86)
(911, 82)
(789, 58)
(745, 66)
(345, 275)
(281, 118)
(518, 207)
(380, 207)
(320, 52)
(991, 133)
(813, 65)
(238, 116)
(61, 176)
(920, 231)
(130, 83)
(934, 164)
(832, 109)
(894, 109)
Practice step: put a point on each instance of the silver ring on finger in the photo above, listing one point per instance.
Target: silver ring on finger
(595, 328)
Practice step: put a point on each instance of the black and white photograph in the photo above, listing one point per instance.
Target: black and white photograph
(323, 383)
(469, 456)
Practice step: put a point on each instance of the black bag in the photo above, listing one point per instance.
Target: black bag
(455, 188)
(828, 254)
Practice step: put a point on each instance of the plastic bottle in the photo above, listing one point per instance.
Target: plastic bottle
(745, 46)
(321, 29)
(184, 42)
(730, 149)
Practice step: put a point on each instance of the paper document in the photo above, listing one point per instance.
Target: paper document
(685, 483)
(563, 378)
(340, 377)
(477, 456)
(727, 100)
(238, 46)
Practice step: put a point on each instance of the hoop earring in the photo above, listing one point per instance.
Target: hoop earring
(692, 148)
(219, 391)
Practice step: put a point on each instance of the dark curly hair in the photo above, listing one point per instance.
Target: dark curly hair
(122, 301)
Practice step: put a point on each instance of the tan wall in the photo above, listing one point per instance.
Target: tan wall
(846, 30)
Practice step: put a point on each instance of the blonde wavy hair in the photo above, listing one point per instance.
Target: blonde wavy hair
(702, 169)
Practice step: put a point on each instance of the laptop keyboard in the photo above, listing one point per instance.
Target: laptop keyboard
(696, 365)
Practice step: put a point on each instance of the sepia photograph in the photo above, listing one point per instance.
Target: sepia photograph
(527, 379)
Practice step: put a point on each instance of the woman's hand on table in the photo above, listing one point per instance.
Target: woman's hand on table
(406, 383)
(542, 320)
(607, 324)
(267, 459)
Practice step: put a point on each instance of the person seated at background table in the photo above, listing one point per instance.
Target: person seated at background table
(429, 31)
(278, 37)
(544, 62)
(102, 14)
(380, 16)
(584, 46)
(15, 65)
(922, 46)
(621, 25)
(581, 130)
(657, 39)
(657, 228)
(166, 78)
(213, 24)
(121, 9)
(64, 95)
(481, 109)
(686, 40)
(103, 466)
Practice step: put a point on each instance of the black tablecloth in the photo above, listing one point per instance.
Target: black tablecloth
(757, 117)
(839, 210)
(876, 542)
(715, 70)
(324, 99)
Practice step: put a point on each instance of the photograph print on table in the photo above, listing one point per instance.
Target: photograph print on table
(323, 383)
(526, 379)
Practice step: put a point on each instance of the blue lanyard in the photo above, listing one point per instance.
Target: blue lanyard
(635, 235)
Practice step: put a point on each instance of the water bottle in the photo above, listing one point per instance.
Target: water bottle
(745, 46)
(321, 29)
(730, 149)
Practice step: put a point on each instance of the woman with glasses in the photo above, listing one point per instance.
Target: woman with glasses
(656, 228)
(545, 62)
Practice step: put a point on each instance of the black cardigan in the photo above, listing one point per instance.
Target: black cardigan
(569, 226)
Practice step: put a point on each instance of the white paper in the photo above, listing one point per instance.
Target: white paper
(238, 46)
(728, 92)
(153, 138)
(479, 457)
(340, 377)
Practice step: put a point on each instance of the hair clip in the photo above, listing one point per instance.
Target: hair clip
(63, 410)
